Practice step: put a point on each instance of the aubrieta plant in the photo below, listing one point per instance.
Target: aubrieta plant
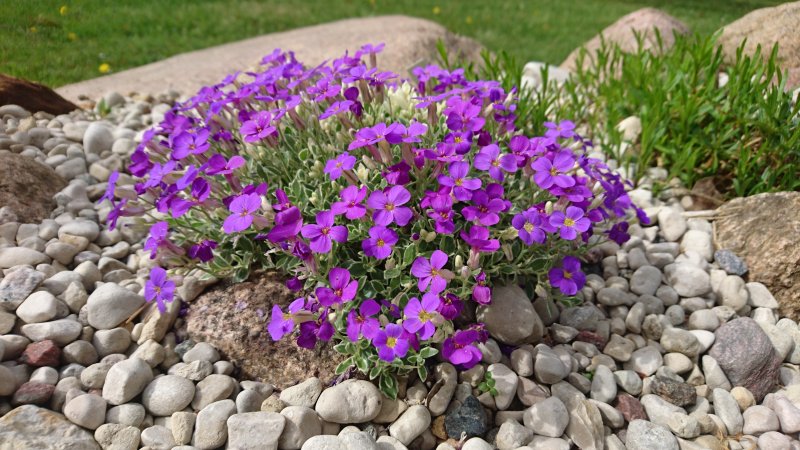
(392, 205)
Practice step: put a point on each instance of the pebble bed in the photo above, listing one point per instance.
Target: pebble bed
(670, 349)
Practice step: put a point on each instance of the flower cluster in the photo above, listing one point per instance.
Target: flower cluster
(392, 204)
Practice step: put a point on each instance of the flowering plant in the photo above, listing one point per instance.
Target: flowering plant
(393, 205)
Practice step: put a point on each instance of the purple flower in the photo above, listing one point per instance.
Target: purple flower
(218, 165)
(287, 224)
(282, 323)
(351, 206)
(203, 251)
(311, 331)
(157, 239)
(380, 242)
(397, 174)
(489, 159)
(335, 167)
(480, 292)
(529, 225)
(341, 290)
(186, 144)
(442, 213)
(390, 343)
(564, 129)
(458, 181)
(336, 108)
(242, 209)
(450, 305)
(553, 172)
(571, 223)
(258, 127)
(112, 184)
(188, 177)
(283, 201)
(484, 209)
(159, 288)
(294, 284)
(200, 189)
(420, 316)
(362, 322)
(478, 239)
(371, 135)
(460, 349)
(619, 233)
(430, 272)
(388, 207)
(324, 232)
(568, 278)
(412, 133)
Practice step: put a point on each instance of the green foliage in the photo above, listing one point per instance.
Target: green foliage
(487, 385)
(745, 133)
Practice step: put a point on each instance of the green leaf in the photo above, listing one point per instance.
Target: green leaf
(391, 273)
(422, 371)
(344, 365)
(388, 385)
(341, 347)
(428, 352)
(374, 372)
(361, 363)
(409, 255)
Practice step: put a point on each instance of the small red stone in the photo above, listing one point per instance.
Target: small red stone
(630, 407)
(592, 338)
(33, 393)
(39, 354)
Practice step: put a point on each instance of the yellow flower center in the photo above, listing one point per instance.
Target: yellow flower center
(338, 292)
(528, 227)
(425, 316)
(287, 316)
(389, 207)
(496, 163)
(568, 222)
(459, 182)
(434, 273)
(459, 139)
(325, 230)
(391, 342)
(567, 275)
(553, 171)
(380, 243)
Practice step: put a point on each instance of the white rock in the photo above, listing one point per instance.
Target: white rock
(40, 306)
(167, 394)
(98, 138)
(88, 411)
(125, 380)
(411, 424)
(303, 394)
(62, 331)
(506, 384)
(644, 435)
(672, 224)
(157, 437)
(645, 280)
(604, 387)
(760, 296)
(700, 242)
(129, 414)
(726, 408)
(760, 419)
(548, 417)
(255, 430)
(212, 389)
(301, 424)
(211, 428)
(688, 280)
(512, 435)
(109, 305)
(353, 401)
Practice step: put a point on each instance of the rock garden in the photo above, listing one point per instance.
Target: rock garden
(468, 254)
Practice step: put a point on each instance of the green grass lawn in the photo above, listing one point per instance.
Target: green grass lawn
(43, 41)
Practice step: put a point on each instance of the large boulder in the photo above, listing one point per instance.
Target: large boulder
(764, 229)
(623, 33)
(34, 97)
(767, 27)
(29, 427)
(233, 318)
(409, 42)
(27, 187)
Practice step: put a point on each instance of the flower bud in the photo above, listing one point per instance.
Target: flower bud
(362, 173)
(507, 252)
(430, 237)
(464, 272)
(548, 207)
(458, 263)
(509, 234)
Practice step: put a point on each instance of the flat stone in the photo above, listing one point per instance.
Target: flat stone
(644, 435)
(42, 353)
(548, 417)
(301, 424)
(167, 394)
(746, 355)
(118, 437)
(410, 424)
(353, 401)
(125, 380)
(88, 411)
(313, 45)
(511, 318)
(255, 430)
(211, 428)
(212, 389)
(469, 419)
(17, 286)
(110, 305)
(29, 427)
(62, 331)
